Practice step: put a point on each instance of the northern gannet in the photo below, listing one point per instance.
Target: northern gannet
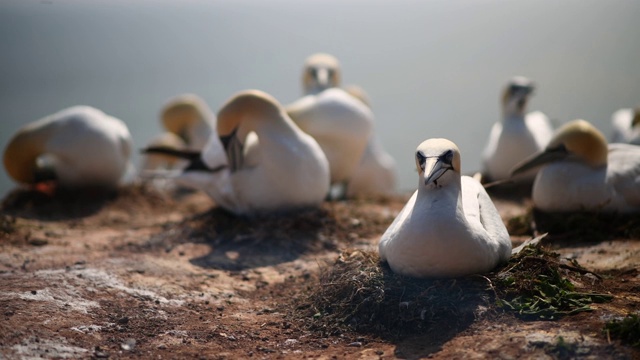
(77, 146)
(340, 123)
(257, 160)
(449, 227)
(626, 126)
(189, 117)
(581, 172)
(518, 135)
(376, 172)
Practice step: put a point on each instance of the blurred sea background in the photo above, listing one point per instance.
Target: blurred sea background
(431, 68)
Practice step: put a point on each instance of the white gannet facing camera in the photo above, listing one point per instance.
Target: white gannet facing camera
(449, 227)
(626, 126)
(77, 146)
(189, 117)
(258, 160)
(340, 123)
(580, 172)
(517, 135)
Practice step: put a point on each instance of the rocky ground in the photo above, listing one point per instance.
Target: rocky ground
(144, 275)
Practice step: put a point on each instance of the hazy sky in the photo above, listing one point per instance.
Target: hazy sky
(431, 68)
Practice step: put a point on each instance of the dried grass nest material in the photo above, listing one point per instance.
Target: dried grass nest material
(360, 293)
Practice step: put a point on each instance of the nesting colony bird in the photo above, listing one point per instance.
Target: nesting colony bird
(340, 123)
(449, 227)
(257, 160)
(78, 146)
(518, 135)
(580, 172)
(375, 175)
(626, 126)
(189, 117)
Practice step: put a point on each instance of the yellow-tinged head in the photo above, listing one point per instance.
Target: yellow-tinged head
(515, 95)
(321, 71)
(438, 162)
(576, 140)
(182, 112)
(248, 102)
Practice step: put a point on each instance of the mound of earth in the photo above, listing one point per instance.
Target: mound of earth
(142, 274)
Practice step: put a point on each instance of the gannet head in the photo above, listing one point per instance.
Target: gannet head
(358, 93)
(249, 103)
(515, 96)
(23, 156)
(438, 162)
(183, 112)
(577, 140)
(321, 71)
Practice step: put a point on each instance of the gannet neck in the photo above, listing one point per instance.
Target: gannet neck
(582, 139)
(248, 110)
(23, 150)
(321, 71)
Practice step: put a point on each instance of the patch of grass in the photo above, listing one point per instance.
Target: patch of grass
(536, 285)
(360, 293)
(627, 329)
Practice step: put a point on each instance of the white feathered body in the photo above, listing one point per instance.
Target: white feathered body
(85, 146)
(340, 124)
(623, 129)
(446, 232)
(512, 140)
(574, 186)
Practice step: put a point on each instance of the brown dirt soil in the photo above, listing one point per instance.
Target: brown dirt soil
(139, 274)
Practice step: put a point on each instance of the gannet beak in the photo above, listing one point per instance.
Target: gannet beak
(540, 158)
(323, 77)
(434, 168)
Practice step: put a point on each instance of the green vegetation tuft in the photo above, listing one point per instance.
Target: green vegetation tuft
(626, 329)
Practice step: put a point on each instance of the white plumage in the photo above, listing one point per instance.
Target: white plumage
(375, 175)
(450, 226)
(626, 126)
(340, 123)
(259, 160)
(77, 146)
(518, 135)
(581, 172)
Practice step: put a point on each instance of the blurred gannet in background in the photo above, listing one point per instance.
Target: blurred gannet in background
(375, 174)
(257, 159)
(77, 146)
(450, 226)
(189, 117)
(518, 135)
(581, 172)
(626, 126)
(340, 123)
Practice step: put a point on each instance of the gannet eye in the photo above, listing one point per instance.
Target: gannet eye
(420, 158)
(447, 157)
